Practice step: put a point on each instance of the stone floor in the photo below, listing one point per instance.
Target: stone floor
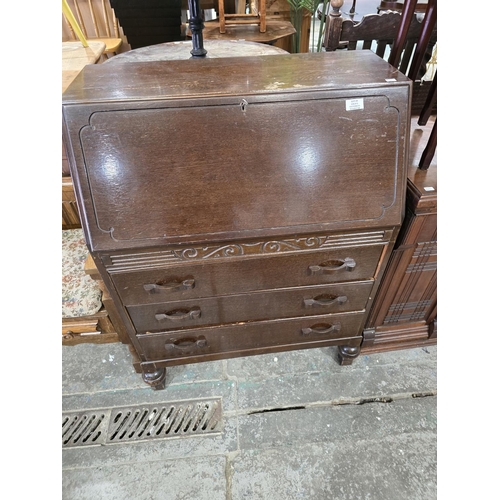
(295, 425)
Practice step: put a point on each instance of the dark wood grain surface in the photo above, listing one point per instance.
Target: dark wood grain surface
(214, 77)
(246, 274)
(268, 304)
(251, 338)
(223, 185)
(240, 198)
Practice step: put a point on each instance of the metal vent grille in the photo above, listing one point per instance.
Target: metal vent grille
(84, 428)
(142, 422)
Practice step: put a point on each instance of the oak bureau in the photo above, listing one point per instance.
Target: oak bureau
(239, 206)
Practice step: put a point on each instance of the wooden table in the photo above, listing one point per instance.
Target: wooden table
(171, 51)
(75, 57)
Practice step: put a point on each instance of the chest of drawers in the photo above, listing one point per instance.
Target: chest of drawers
(239, 206)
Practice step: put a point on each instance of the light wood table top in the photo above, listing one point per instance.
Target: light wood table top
(75, 57)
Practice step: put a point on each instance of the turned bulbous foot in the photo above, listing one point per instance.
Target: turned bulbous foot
(347, 354)
(156, 379)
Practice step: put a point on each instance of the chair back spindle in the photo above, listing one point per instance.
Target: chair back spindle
(98, 22)
(428, 26)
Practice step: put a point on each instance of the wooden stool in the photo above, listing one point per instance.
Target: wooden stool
(258, 18)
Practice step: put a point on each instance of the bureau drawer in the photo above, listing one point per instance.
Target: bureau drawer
(208, 279)
(255, 306)
(250, 336)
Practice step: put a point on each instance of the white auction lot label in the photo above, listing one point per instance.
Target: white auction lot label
(352, 104)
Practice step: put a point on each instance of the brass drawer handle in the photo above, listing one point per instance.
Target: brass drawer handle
(186, 344)
(322, 329)
(180, 314)
(172, 286)
(325, 300)
(331, 266)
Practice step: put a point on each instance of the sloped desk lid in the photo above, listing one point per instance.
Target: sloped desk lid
(176, 152)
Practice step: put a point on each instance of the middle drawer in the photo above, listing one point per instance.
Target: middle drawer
(256, 306)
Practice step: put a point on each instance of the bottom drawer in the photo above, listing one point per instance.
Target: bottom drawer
(241, 337)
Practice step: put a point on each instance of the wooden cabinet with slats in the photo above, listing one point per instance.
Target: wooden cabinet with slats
(404, 312)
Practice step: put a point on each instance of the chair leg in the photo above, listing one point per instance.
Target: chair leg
(429, 150)
(222, 17)
(262, 16)
(429, 102)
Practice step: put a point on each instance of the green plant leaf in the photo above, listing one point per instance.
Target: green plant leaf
(295, 4)
(310, 5)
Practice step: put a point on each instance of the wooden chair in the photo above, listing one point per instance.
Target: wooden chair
(258, 16)
(378, 32)
(421, 49)
(398, 6)
(89, 315)
(73, 24)
(97, 21)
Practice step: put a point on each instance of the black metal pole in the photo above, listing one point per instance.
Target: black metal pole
(196, 26)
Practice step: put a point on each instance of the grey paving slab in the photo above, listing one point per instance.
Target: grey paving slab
(267, 366)
(394, 468)
(200, 478)
(372, 451)
(101, 367)
(226, 389)
(337, 423)
(307, 377)
(330, 448)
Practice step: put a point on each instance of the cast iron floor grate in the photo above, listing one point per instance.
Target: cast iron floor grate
(127, 424)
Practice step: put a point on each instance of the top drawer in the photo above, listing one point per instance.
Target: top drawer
(235, 276)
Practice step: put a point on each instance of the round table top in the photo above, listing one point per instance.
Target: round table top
(171, 51)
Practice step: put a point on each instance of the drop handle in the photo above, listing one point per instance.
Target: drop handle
(180, 314)
(325, 300)
(172, 286)
(329, 267)
(186, 344)
(322, 329)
